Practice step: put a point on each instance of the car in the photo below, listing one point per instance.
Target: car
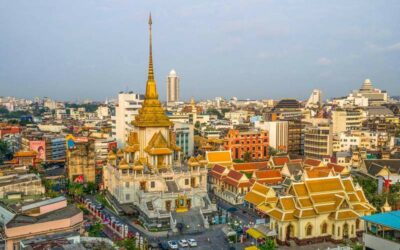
(183, 243)
(172, 244)
(192, 242)
(99, 207)
(163, 246)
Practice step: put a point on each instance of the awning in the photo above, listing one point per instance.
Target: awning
(251, 248)
(255, 233)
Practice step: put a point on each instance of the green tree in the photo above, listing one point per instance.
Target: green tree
(268, 245)
(90, 188)
(247, 156)
(75, 189)
(5, 151)
(127, 244)
(95, 229)
(272, 151)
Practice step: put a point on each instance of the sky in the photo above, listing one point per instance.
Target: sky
(93, 49)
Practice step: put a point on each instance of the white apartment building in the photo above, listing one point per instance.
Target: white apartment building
(278, 133)
(172, 87)
(318, 141)
(126, 109)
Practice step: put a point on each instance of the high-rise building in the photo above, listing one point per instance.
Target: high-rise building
(172, 87)
(278, 133)
(347, 120)
(315, 99)
(125, 111)
(318, 140)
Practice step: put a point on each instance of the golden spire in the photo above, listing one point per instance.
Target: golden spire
(151, 88)
(151, 114)
(151, 70)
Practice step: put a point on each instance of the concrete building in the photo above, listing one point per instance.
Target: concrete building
(252, 142)
(318, 140)
(22, 184)
(347, 119)
(173, 87)
(278, 132)
(315, 100)
(126, 110)
(81, 165)
(184, 135)
(39, 219)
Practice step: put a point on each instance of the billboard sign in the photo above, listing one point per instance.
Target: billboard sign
(40, 148)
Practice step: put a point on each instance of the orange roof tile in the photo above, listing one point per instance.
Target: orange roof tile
(250, 166)
(218, 156)
(287, 203)
(276, 214)
(266, 174)
(280, 160)
(323, 185)
(312, 162)
(348, 185)
(254, 198)
(337, 168)
(25, 154)
(218, 169)
(300, 189)
(260, 188)
(235, 175)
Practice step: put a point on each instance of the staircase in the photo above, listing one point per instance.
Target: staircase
(172, 187)
(192, 221)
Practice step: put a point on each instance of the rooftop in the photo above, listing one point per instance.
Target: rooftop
(389, 219)
(64, 213)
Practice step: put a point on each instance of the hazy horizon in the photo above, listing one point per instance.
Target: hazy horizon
(77, 50)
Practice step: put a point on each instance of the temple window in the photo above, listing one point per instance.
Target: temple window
(152, 184)
(324, 228)
(338, 231)
(333, 229)
(357, 224)
(309, 230)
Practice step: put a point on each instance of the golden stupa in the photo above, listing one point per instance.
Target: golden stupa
(151, 114)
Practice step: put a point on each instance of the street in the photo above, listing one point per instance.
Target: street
(212, 238)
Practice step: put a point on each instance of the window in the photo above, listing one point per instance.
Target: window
(338, 231)
(127, 196)
(357, 224)
(152, 184)
(309, 230)
(333, 229)
(127, 184)
(324, 229)
(186, 182)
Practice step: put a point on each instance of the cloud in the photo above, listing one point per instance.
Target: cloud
(324, 61)
(387, 48)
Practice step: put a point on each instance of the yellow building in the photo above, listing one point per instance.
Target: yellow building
(319, 209)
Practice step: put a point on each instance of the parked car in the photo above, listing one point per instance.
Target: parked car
(183, 243)
(163, 245)
(173, 244)
(192, 242)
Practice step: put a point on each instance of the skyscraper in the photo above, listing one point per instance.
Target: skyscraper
(172, 87)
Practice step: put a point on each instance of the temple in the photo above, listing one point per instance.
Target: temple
(147, 174)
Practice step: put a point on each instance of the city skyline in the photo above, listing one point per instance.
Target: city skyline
(266, 53)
